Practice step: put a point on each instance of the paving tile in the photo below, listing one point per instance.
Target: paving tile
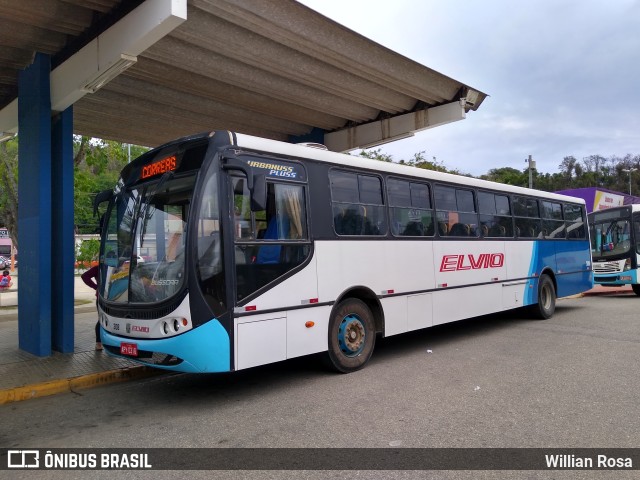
(19, 368)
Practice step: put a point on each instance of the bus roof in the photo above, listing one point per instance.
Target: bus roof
(633, 207)
(303, 151)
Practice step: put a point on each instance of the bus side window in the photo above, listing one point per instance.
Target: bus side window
(574, 219)
(455, 207)
(410, 208)
(270, 253)
(357, 204)
(280, 242)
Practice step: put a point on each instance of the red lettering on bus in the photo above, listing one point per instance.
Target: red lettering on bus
(454, 263)
(449, 263)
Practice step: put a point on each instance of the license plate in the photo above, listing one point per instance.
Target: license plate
(130, 349)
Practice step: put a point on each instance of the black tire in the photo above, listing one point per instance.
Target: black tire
(352, 336)
(546, 299)
(636, 288)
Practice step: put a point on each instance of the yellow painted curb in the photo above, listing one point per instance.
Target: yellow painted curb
(44, 389)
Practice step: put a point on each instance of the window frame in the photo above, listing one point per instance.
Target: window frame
(381, 209)
(495, 215)
(391, 206)
(459, 224)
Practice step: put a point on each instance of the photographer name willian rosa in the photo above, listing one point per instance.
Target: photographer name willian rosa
(320, 458)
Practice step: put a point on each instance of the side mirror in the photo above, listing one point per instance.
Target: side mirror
(101, 225)
(259, 193)
(257, 183)
(103, 196)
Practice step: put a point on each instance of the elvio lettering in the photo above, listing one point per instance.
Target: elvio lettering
(454, 263)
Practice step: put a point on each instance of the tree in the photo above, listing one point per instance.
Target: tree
(568, 167)
(376, 155)
(508, 176)
(88, 252)
(419, 160)
(97, 167)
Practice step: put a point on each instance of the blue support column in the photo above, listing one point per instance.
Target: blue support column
(62, 278)
(34, 207)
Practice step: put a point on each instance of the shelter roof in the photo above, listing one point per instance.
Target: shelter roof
(275, 70)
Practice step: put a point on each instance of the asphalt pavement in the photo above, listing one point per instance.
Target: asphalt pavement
(24, 376)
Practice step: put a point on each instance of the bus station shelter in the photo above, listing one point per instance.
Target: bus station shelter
(146, 72)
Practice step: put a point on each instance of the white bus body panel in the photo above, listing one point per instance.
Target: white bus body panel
(420, 311)
(303, 340)
(381, 266)
(268, 338)
(260, 339)
(283, 334)
(466, 279)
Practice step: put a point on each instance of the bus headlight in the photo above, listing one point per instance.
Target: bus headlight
(627, 265)
(173, 326)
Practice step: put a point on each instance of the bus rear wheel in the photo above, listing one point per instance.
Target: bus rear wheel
(352, 336)
(636, 288)
(546, 298)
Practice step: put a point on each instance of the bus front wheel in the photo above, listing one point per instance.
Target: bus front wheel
(352, 336)
(546, 298)
(636, 288)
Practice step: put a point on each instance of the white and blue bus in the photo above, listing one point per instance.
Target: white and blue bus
(224, 251)
(615, 246)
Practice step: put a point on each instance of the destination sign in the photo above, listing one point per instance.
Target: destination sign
(159, 167)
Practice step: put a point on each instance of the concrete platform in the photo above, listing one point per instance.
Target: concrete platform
(24, 376)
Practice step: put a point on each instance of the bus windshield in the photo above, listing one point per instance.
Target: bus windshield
(143, 255)
(610, 238)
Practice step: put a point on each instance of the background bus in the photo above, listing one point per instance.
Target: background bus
(260, 251)
(615, 246)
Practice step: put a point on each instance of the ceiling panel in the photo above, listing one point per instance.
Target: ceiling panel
(274, 69)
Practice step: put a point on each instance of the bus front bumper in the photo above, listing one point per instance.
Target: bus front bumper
(203, 349)
(616, 279)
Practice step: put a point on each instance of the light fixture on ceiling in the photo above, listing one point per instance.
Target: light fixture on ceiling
(105, 76)
(4, 136)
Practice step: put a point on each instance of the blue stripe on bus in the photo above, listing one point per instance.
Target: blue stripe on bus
(203, 349)
(531, 294)
(569, 263)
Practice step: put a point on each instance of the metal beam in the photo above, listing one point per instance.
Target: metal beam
(393, 128)
(107, 55)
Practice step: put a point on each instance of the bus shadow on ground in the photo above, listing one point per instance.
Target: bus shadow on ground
(463, 330)
(223, 387)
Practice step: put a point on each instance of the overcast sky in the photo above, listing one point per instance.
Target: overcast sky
(563, 76)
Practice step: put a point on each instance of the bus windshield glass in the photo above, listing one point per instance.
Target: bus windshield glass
(610, 238)
(143, 256)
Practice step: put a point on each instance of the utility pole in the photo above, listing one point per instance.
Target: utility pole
(532, 165)
(629, 171)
